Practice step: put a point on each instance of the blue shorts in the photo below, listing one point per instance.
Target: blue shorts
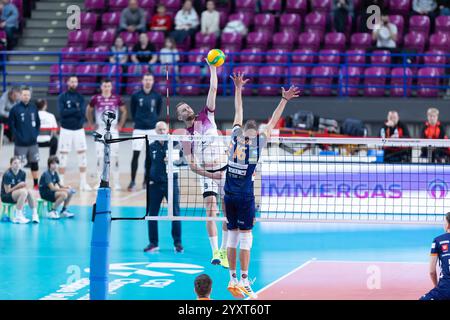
(437, 294)
(48, 195)
(7, 198)
(240, 212)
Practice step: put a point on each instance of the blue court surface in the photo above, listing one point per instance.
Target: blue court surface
(51, 260)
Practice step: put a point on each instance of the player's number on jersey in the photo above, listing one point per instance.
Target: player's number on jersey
(239, 153)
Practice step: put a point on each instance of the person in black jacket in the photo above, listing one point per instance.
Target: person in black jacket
(395, 129)
(158, 190)
(72, 113)
(146, 105)
(24, 124)
(433, 129)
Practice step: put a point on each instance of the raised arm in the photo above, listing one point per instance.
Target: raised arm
(211, 100)
(293, 92)
(239, 83)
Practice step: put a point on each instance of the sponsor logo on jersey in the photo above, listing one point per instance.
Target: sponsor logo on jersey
(445, 247)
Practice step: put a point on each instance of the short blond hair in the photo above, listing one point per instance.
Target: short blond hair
(433, 110)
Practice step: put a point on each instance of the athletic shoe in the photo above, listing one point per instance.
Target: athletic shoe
(233, 288)
(216, 257)
(224, 258)
(179, 248)
(85, 187)
(132, 186)
(245, 288)
(151, 248)
(66, 214)
(53, 215)
(35, 218)
(20, 219)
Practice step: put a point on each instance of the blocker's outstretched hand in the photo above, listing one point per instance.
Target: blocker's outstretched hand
(293, 92)
(238, 80)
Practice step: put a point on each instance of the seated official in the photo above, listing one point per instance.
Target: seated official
(395, 129)
(51, 190)
(433, 129)
(14, 190)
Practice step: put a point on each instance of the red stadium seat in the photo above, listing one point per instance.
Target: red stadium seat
(270, 79)
(350, 80)
(103, 38)
(322, 80)
(283, 40)
(258, 40)
(297, 6)
(401, 79)
(335, 40)
(309, 40)
(264, 22)
(290, 22)
(87, 78)
(190, 80)
(428, 81)
(231, 41)
(375, 81)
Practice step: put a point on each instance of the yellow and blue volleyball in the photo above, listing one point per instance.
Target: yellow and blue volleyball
(216, 57)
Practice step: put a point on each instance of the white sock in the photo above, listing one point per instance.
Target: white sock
(233, 275)
(83, 180)
(35, 211)
(61, 179)
(223, 245)
(214, 243)
(19, 212)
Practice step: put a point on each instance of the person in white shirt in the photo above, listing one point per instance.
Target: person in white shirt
(169, 54)
(186, 22)
(47, 136)
(210, 19)
(385, 34)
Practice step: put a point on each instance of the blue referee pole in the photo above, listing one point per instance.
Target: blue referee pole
(101, 232)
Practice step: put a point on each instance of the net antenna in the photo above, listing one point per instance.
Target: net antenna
(101, 214)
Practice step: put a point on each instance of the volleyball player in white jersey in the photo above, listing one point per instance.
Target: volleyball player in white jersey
(207, 155)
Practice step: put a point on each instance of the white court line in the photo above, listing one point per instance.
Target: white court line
(379, 262)
(135, 194)
(285, 276)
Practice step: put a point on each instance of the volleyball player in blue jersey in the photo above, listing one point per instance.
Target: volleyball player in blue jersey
(243, 155)
(440, 252)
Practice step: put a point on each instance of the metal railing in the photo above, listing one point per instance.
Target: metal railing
(345, 73)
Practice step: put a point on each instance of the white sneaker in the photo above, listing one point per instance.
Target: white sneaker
(85, 187)
(245, 288)
(53, 215)
(66, 214)
(20, 218)
(233, 288)
(35, 218)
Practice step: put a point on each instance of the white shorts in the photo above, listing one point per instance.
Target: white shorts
(211, 186)
(99, 147)
(139, 144)
(69, 138)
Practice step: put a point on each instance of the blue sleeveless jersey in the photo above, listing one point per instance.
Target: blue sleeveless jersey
(441, 248)
(243, 156)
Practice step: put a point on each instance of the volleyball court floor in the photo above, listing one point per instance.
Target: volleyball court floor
(289, 261)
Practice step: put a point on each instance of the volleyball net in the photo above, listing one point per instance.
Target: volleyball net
(320, 179)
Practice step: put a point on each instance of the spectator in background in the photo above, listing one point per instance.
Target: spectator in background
(7, 101)
(364, 16)
(203, 287)
(144, 51)
(169, 54)
(9, 21)
(47, 136)
(385, 34)
(394, 129)
(210, 19)
(186, 22)
(51, 190)
(25, 124)
(444, 7)
(426, 8)
(433, 129)
(342, 9)
(161, 21)
(14, 190)
(120, 51)
(133, 18)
